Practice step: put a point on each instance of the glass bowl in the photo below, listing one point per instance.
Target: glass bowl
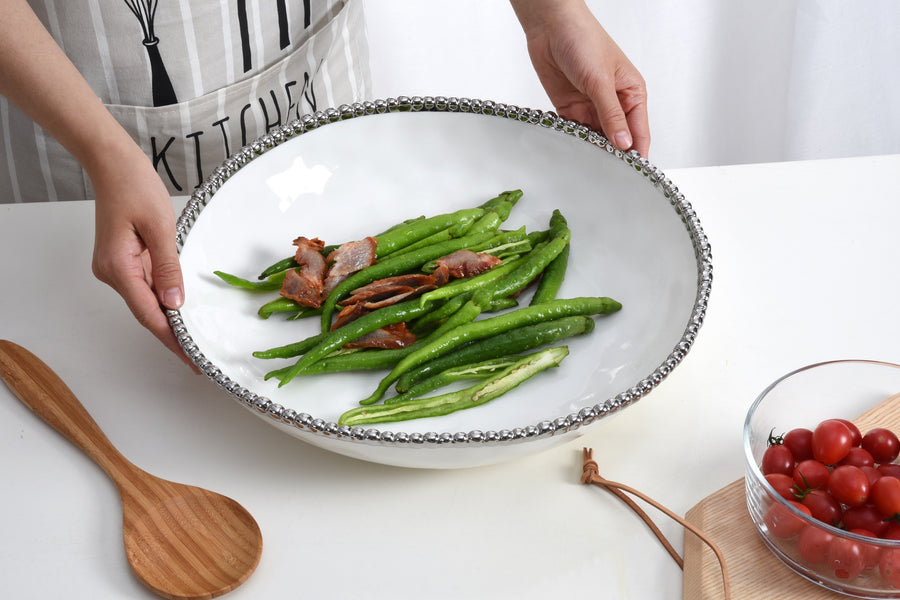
(832, 557)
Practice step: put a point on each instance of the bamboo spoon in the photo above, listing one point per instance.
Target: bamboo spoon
(181, 541)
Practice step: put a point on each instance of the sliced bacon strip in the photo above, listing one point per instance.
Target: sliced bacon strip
(383, 288)
(348, 314)
(347, 259)
(465, 263)
(412, 293)
(301, 289)
(305, 287)
(388, 337)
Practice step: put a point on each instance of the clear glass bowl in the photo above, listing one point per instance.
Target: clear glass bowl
(803, 398)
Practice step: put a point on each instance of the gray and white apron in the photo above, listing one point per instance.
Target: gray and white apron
(192, 82)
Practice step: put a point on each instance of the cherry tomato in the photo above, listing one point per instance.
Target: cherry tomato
(854, 431)
(872, 473)
(849, 485)
(783, 485)
(872, 552)
(858, 457)
(889, 470)
(811, 474)
(886, 496)
(799, 442)
(882, 444)
(777, 459)
(865, 517)
(813, 543)
(889, 566)
(892, 532)
(823, 506)
(831, 441)
(846, 557)
(782, 522)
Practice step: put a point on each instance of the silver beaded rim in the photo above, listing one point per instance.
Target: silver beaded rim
(587, 415)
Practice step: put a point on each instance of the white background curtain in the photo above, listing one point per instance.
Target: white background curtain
(729, 82)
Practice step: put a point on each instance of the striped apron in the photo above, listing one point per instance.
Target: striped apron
(192, 82)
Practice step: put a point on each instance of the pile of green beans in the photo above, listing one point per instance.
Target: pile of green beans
(468, 329)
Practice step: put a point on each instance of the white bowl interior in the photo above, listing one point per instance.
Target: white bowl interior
(353, 178)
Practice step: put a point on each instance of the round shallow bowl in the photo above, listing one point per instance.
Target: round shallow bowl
(347, 173)
(829, 556)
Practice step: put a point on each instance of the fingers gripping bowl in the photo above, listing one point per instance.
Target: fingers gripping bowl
(344, 173)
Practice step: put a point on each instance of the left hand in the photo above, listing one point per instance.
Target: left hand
(586, 75)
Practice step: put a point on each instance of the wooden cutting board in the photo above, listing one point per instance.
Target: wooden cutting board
(755, 573)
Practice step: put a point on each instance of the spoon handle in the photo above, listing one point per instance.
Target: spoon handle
(42, 390)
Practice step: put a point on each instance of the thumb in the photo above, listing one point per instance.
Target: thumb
(166, 269)
(613, 122)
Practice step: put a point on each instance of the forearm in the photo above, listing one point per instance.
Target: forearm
(37, 77)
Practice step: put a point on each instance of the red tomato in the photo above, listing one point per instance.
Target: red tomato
(889, 566)
(872, 551)
(846, 557)
(782, 522)
(783, 485)
(811, 474)
(886, 496)
(831, 441)
(889, 470)
(823, 506)
(813, 543)
(854, 431)
(777, 459)
(865, 517)
(882, 444)
(799, 442)
(858, 457)
(872, 473)
(892, 532)
(849, 485)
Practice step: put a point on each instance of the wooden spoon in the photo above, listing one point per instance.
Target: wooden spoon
(181, 541)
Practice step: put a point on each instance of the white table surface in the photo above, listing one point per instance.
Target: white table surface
(805, 259)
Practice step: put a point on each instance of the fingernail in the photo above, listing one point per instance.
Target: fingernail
(623, 140)
(173, 298)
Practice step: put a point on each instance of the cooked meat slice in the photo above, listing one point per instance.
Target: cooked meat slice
(465, 263)
(305, 287)
(389, 337)
(348, 259)
(383, 288)
(302, 289)
(348, 314)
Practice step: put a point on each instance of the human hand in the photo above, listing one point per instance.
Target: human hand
(586, 75)
(134, 243)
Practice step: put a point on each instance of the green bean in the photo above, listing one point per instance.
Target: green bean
(367, 323)
(479, 370)
(553, 309)
(511, 197)
(521, 339)
(272, 283)
(339, 362)
(536, 261)
(279, 305)
(552, 278)
(440, 313)
(395, 266)
(475, 395)
(291, 350)
(282, 265)
(401, 237)
(498, 304)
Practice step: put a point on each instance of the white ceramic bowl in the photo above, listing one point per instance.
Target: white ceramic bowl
(346, 173)
(803, 398)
